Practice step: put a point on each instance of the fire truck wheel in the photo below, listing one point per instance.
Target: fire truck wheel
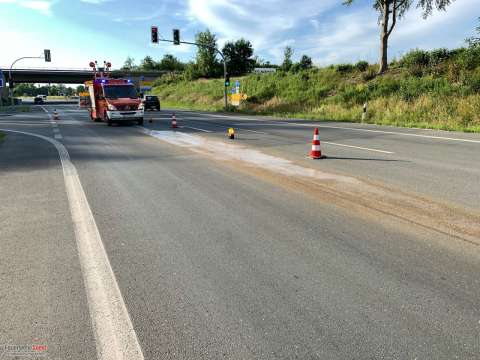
(140, 121)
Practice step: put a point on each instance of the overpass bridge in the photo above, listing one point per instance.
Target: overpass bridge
(74, 76)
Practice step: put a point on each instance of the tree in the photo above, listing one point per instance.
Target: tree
(207, 63)
(129, 64)
(305, 62)
(239, 57)
(148, 64)
(475, 40)
(80, 89)
(170, 63)
(390, 11)
(287, 58)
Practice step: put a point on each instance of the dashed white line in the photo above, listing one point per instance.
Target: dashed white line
(253, 131)
(114, 333)
(194, 128)
(358, 147)
(58, 136)
(56, 130)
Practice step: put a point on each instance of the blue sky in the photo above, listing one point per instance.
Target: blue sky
(78, 31)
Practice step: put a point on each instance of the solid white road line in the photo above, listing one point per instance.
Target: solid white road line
(114, 334)
(393, 133)
(253, 131)
(194, 128)
(358, 147)
(58, 136)
(335, 144)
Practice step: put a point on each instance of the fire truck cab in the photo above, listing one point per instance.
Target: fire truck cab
(113, 100)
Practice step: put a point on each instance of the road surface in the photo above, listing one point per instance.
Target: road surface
(163, 244)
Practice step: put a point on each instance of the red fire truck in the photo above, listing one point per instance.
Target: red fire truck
(113, 100)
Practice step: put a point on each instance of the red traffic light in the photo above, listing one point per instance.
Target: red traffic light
(154, 33)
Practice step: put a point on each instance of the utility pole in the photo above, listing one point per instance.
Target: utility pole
(176, 41)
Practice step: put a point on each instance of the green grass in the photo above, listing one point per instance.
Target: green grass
(436, 90)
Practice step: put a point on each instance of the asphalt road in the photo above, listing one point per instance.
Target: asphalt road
(218, 253)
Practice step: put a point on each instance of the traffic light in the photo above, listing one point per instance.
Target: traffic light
(48, 57)
(154, 34)
(227, 80)
(176, 37)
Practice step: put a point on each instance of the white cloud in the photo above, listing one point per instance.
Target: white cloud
(325, 30)
(265, 23)
(42, 6)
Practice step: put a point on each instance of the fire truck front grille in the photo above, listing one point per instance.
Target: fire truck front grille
(125, 107)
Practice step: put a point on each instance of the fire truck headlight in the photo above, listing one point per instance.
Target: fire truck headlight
(111, 107)
(141, 106)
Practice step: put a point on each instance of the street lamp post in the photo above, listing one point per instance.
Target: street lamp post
(45, 55)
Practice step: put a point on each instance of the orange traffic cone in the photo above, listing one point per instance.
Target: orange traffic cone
(55, 114)
(316, 152)
(174, 121)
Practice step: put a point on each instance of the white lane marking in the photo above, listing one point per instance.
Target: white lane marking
(379, 131)
(54, 124)
(229, 117)
(358, 147)
(194, 128)
(56, 130)
(21, 123)
(259, 124)
(58, 136)
(114, 333)
(253, 131)
(336, 144)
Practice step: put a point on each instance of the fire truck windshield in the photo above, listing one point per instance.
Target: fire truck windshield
(120, 91)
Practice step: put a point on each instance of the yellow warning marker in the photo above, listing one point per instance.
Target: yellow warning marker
(231, 133)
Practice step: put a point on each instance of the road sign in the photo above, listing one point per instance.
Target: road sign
(237, 83)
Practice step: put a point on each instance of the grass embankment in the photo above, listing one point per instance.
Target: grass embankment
(438, 89)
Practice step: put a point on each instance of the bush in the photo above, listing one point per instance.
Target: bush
(370, 74)
(361, 65)
(344, 68)
(470, 58)
(192, 72)
(438, 56)
(415, 58)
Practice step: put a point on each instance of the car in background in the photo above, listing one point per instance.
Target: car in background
(38, 100)
(151, 102)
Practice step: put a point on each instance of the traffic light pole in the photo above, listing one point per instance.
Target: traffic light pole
(224, 65)
(10, 80)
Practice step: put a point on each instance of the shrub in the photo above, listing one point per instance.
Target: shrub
(191, 72)
(470, 58)
(369, 75)
(361, 65)
(415, 58)
(344, 68)
(438, 56)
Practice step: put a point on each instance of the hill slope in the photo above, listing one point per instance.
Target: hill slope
(416, 92)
